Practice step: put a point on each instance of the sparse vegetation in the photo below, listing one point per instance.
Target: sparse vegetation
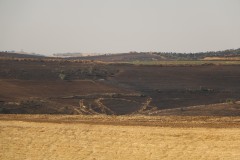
(199, 55)
(184, 63)
(201, 89)
(230, 100)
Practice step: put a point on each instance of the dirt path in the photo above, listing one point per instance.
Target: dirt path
(45, 140)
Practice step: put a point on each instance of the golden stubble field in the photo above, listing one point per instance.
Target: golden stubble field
(43, 138)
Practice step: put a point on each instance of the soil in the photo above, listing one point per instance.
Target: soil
(59, 86)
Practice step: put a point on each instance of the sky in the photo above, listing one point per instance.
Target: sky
(117, 26)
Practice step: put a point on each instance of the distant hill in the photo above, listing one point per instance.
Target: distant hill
(19, 55)
(68, 55)
(154, 56)
(200, 55)
(122, 57)
(231, 54)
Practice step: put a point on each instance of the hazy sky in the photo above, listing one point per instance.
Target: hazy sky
(53, 26)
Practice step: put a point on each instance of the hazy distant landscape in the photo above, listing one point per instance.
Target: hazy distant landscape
(106, 80)
(115, 105)
(180, 96)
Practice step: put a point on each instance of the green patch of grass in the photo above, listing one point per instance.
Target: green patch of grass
(173, 63)
(230, 101)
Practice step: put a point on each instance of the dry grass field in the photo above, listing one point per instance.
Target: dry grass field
(123, 137)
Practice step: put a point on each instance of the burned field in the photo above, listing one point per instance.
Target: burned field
(59, 86)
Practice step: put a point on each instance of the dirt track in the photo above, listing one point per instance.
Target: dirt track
(21, 139)
(154, 121)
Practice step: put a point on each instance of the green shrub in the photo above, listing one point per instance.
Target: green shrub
(230, 101)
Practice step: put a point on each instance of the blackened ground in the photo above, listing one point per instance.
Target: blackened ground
(70, 87)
